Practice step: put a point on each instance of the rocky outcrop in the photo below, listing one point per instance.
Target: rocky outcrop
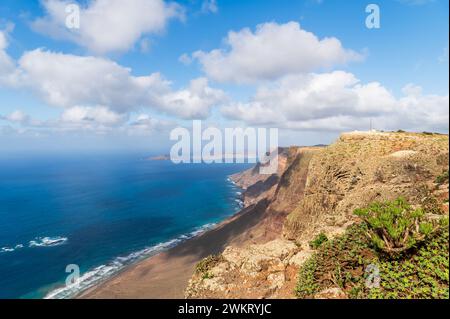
(256, 271)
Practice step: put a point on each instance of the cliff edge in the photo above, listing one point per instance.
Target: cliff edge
(313, 200)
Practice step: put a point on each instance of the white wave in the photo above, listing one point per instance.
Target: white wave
(231, 182)
(103, 272)
(6, 250)
(47, 241)
(37, 242)
(10, 249)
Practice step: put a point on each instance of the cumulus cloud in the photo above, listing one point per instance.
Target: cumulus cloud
(193, 102)
(69, 81)
(66, 80)
(144, 125)
(270, 52)
(338, 101)
(101, 115)
(108, 25)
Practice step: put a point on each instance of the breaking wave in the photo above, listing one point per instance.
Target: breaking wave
(47, 241)
(103, 272)
(37, 242)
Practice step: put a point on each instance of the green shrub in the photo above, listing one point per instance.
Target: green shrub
(421, 273)
(395, 227)
(307, 286)
(205, 265)
(318, 241)
(339, 263)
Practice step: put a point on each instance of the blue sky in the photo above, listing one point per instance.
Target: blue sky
(396, 75)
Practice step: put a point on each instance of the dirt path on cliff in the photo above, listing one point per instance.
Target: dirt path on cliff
(165, 276)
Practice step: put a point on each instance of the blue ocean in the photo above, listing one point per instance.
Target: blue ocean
(100, 213)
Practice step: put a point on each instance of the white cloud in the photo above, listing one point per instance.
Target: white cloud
(7, 64)
(185, 59)
(193, 102)
(338, 101)
(411, 89)
(108, 25)
(272, 51)
(68, 81)
(144, 125)
(101, 115)
(18, 116)
(97, 120)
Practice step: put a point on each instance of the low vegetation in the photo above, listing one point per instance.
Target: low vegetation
(205, 265)
(318, 241)
(362, 267)
(396, 226)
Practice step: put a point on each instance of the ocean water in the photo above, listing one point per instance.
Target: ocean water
(100, 213)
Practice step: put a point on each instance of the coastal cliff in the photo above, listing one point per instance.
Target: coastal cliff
(298, 235)
(312, 200)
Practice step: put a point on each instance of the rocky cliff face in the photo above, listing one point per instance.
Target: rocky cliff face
(316, 191)
(361, 168)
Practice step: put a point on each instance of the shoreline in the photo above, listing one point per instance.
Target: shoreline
(165, 275)
(100, 275)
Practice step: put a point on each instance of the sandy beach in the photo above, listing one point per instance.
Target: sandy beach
(166, 275)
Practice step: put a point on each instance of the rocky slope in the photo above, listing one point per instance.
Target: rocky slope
(316, 191)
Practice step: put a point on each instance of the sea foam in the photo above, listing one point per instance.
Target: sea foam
(103, 272)
(37, 242)
(47, 241)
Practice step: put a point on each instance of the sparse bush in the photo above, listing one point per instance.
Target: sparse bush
(318, 241)
(395, 227)
(205, 265)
